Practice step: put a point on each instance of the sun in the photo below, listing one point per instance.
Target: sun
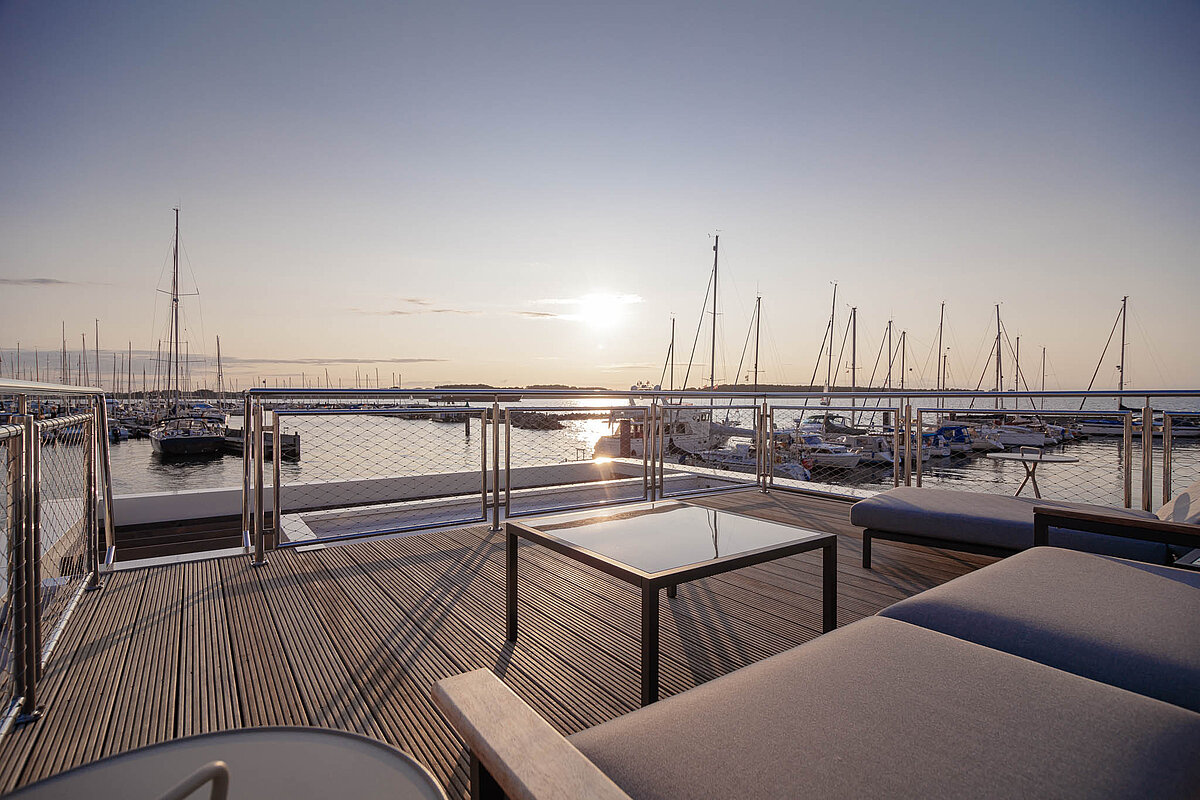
(603, 310)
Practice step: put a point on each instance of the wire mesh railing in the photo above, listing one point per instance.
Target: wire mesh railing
(1050, 448)
(55, 459)
(704, 448)
(64, 495)
(377, 469)
(387, 461)
(12, 445)
(1179, 450)
(556, 458)
(845, 449)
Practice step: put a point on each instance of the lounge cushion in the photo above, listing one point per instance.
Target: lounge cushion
(882, 708)
(1183, 507)
(991, 520)
(1125, 623)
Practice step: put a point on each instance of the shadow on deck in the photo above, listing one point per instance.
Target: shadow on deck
(353, 637)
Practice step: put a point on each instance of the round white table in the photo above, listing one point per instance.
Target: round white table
(291, 762)
(1030, 461)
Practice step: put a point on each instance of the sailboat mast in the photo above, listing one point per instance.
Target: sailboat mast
(1121, 376)
(1017, 367)
(1043, 378)
(941, 379)
(129, 374)
(712, 366)
(175, 307)
(96, 343)
(757, 331)
(829, 362)
(672, 354)
(853, 357)
(903, 337)
(999, 368)
(891, 354)
(220, 375)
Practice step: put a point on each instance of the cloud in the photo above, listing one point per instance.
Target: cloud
(417, 301)
(623, 367)
(406, 312)
(538, 314)
(324, 362)
(614, 299)
(42, 282)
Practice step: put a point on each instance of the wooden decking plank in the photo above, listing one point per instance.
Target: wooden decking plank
(268, 692)
(397, 685)
(526, 669)
(77, 711)
(331, 696)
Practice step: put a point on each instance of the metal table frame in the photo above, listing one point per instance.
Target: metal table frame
(1030, 462)
(651, 582)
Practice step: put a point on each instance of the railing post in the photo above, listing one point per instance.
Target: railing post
(24, 685)
(26, 640)
(33, 523)
(649, 436)
(1147, 455)
(276, 476)
(91, 514)
(495, 463)
(773, 443)
(908, 444)
(896, 459)
(507, 462)
(1128, 458)
(920, 443)
(260, 556)
(247, 486)
(110, 539)
(1166, 481)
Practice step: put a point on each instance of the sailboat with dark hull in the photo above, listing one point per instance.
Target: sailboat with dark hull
(182, 434)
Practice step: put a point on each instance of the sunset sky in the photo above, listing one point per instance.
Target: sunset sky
(520, 193)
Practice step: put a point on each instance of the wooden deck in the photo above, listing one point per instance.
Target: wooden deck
(353, 637)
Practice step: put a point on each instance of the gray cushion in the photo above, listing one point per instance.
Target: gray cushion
(1183, 507)
(882, 708)
(1127, 624)
(992, 520)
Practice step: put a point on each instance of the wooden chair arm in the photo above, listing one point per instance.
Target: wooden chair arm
(1149, 529)
(524, 754)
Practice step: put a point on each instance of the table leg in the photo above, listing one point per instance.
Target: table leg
(829, 587)
(672, 590)
(1033, 479)
(510, 585)
(1028, 475)
(649, 644)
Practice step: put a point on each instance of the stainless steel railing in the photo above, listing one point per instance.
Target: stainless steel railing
(56, 483)
(529, 471)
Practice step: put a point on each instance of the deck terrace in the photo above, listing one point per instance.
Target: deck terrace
(353, 637)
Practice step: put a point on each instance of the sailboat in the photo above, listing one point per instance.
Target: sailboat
(182, 434)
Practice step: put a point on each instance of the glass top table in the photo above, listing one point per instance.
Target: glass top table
(660, 545)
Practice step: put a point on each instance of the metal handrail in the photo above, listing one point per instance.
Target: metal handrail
(37, 387)
(489, 394)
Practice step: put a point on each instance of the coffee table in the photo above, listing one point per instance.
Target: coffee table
(659, 545)
(1030, 461)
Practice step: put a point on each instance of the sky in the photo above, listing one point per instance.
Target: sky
(527, 193)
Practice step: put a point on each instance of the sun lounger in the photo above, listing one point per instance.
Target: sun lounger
(1000, 525)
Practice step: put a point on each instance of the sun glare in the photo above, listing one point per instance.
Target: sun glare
(599, 310)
